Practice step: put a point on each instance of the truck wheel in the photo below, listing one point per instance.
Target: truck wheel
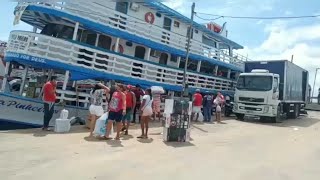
(277, 119)
(240, 117)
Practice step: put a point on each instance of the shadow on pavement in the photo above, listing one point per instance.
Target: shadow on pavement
(199, 128)
(145, 141)
(127, 137)
(179, 144)
(92, 139)
(302, 121)
(114, 143)
(37, 132)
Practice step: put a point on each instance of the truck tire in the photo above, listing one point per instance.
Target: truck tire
(277, 119)
(291, 115)
(240, 117)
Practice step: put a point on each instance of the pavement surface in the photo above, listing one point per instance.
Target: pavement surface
(231, 151)
(313, 107)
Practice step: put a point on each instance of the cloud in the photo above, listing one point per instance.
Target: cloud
(178, 5)
(284, 41)
(282, 38)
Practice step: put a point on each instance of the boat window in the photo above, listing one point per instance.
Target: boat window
(167, 23)
(122, 7)
(174, 58)
(58, 31)
(89, 37)
(128, 43)
(163, 59)
(176, 24)
(52, 29)
(137, 67)
(158, 14)
(104, 42)
(66, 32)
(192, 65)
(140, 52)
(206, 67)
(209, 42)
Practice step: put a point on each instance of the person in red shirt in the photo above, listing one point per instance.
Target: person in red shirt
(49, 98)
(197, 104)
(117, 109)
(130, 104)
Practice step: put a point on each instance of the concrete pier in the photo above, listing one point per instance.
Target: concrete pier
(231, 151)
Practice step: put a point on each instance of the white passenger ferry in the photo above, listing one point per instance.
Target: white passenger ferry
(132, 43)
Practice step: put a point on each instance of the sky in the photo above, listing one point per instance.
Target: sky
(262, 39)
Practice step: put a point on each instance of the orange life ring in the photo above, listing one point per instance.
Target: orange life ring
(120, 48)
(149, 17)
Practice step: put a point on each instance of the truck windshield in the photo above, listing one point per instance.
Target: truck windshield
(255, 83)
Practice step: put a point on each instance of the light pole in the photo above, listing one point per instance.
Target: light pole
(314, 82)
(184, 83)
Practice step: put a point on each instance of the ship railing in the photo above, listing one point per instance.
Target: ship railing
(76, 98)
(83, 99)
(81, 55)
(114, 19)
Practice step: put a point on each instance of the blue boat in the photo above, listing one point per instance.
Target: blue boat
(132, 43)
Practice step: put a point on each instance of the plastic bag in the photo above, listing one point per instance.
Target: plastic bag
(100, 128)
(218, 108)
(157, 89)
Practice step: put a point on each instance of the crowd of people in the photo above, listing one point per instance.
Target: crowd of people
(207, 102)
(124, 104)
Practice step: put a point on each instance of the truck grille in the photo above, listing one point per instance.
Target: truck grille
(253, 109)
(248, 99)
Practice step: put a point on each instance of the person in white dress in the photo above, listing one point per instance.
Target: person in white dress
(96, 101)
(146, 111)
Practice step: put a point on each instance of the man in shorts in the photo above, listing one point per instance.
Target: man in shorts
(197, 104)
(130, 104)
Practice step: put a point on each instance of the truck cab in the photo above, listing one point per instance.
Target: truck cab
(271, 90)
(257, 94)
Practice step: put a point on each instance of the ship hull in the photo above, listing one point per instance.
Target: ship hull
(18, 112)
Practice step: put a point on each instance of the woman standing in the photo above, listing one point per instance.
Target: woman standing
(146, 111)
(117, 109)
(96, 100)
(218, 102)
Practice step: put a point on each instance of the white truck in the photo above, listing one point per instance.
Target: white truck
(271, 90)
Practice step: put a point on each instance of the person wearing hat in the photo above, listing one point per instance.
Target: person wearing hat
(131, 103)
(207, 106)
(197, 104)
